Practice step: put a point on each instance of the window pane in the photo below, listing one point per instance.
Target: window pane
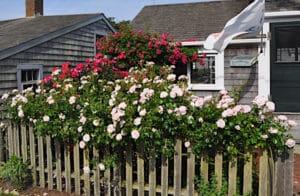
(23, 75)
(203, 74)
(287, 44)
(35, 74)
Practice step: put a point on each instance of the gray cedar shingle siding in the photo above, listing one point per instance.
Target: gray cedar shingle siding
(75, 47)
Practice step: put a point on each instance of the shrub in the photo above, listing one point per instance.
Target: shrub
(15, 172)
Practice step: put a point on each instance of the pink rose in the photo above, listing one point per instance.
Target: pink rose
(163, 94)
(270, 106)
(81, 144)
(282, 117)
(271, 130)
(137, 121)
(135, 134)
(110, 128)
(220, 123)
(290, 143)
(264, 136)
(119, 137)
(292, 123)
(86, 137)
(237, 127)
(187, 144)
(101, 166)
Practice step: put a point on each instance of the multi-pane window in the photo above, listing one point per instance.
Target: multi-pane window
(28, 75)
(207, 74)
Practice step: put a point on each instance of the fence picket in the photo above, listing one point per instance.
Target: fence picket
(49, 162)
(24, 142)
(10, 140)
(107, 182)
(129, 172)
(86, 176)
(177, 168)
(288, 173)
(232, 178)
(164, 175)
(67, 160)
(218, 169)
(32, 155)
(247, 178)
(58, 165)
(76, 168)
(204, 167)
(117, 179)
(140, 170)
(152, 175)
(16, 140)
(263, 174)
(97, 172)
(190, 172)
(41, 161)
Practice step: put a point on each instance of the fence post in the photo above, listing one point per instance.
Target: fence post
(177, 167)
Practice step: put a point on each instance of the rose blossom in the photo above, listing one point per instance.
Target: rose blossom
(122, 105)
(137, 121)
(160, 109)
(246, 108)
(187, 144)
(271, 130)
(153, 130)
(264, 136)
(61, 116)
(135, 134)
(237, 127)
(82, 120)
(260, 101)
(119, 137)
(101, 166)
(46, 118)
(270, 106)
(110, 128)
(21, 113)
(96, 123)
(292, 123)
(282, 117)
(290, 143)
(220, 123)
(86, 137)
(170, 111)
(72, 100)
(163, 94)
(79, 129)
(5, 96)
(143, 112)
(200, 120)
(171, 77)
(81, 144)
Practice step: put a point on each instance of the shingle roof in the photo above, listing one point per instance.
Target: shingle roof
(193, 20)
(14, 32)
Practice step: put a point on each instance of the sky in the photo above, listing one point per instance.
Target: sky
(119, 9)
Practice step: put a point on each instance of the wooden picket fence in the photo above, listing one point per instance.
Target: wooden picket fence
(58, 166)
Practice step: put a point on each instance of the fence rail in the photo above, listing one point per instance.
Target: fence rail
(59, 166)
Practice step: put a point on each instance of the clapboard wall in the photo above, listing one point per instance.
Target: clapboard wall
(74, 47)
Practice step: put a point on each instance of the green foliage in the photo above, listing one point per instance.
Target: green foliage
(210, 188)
(15, 172)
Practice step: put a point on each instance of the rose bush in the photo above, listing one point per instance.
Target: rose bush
(97, 104)
(129, 49)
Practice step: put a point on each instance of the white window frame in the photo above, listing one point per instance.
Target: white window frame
(219, 72)
(96, 33)
(22, 67)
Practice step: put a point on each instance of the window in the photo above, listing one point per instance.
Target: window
(209, 75)
(97, 36)
(28, 75)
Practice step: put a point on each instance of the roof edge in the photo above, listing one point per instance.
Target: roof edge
(44, 38)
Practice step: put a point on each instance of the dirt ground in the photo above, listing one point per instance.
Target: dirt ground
(35, 191)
